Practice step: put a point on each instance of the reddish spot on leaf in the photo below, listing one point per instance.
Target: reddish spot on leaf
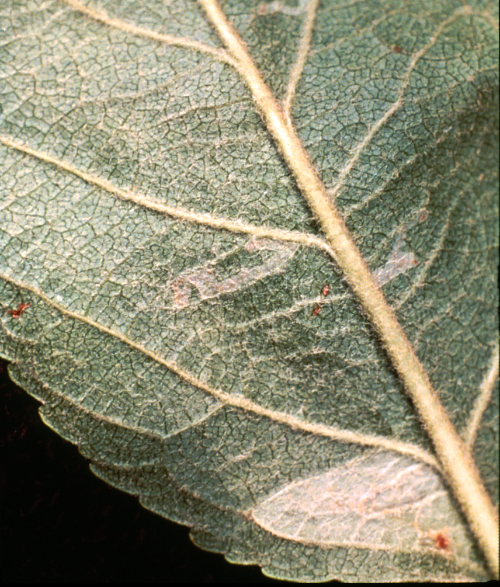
(422, 217)
(442, 541)
(316, 310)
(261, 9)
(326, 289)
(397, 49)
(20, 309)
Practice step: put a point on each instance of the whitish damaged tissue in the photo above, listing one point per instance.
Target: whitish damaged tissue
(278, 6)
(264, 256)
(399, 262)
(379, 501)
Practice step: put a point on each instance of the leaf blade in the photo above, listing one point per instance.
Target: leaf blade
(233, 263)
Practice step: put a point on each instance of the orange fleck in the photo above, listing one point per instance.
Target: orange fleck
(397, 49)
(20, 309)
(316, 310)
(326, 289)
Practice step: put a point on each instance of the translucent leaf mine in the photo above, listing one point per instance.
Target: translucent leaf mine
(379, 501)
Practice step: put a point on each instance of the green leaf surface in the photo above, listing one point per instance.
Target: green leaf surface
(179, 330)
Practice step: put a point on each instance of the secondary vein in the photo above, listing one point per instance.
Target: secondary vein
(298, 67)
(235, 400)
(119, 24)
(483, 399)
(209, 220)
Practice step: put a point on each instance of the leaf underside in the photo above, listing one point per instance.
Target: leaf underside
(199, 364)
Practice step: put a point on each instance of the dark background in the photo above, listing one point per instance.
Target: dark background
(60, 523)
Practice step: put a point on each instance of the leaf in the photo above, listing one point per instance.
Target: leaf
(153, 216)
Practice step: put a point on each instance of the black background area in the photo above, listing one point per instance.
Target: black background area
(60, 523)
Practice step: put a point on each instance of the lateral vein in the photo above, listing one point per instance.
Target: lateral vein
(298, 66)
(237, 401)
(101, 16)
(209, 220)
(483, 399)
(344, 172)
